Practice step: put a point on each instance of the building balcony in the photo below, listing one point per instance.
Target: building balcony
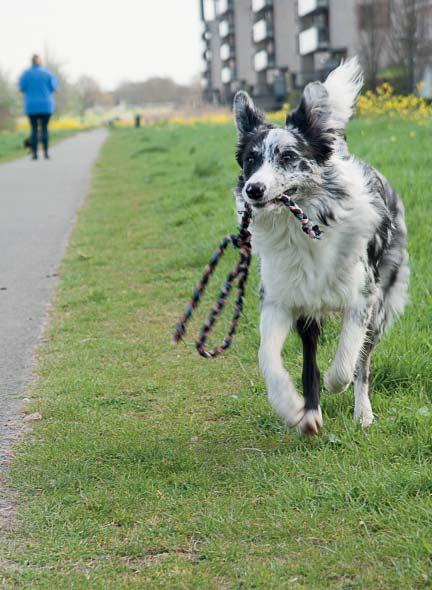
(263, 60)
(258, 5)
(313, 39)
(227, 75)
(207, 55)
(226, 52)
(206, 35)
(226, 28)
(262, 30)
(207, 10)
(223, 6)
(306, 7)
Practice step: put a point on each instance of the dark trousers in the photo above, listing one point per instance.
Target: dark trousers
(39, 122)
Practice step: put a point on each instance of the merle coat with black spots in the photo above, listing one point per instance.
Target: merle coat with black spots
(359, 268)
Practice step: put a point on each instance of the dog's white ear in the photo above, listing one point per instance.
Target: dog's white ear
(248, 118)
(343, 86)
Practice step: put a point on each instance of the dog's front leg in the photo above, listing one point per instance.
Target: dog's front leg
(353, 336)
(274, 327)
(309, 330)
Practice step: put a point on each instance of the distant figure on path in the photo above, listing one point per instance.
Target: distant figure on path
(38, 85)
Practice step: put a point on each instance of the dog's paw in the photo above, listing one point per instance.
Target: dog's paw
(289, 406)
(337, 379)
(363, 414)
(311, 423)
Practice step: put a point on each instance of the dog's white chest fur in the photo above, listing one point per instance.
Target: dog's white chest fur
(312, 276)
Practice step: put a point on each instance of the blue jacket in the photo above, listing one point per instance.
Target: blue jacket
(38, 86)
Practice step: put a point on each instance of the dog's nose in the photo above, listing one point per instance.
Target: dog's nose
(255, 190)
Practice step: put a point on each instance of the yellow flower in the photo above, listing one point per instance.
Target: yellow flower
(385, 102)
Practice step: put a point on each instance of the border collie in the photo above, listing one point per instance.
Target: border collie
(359, 268)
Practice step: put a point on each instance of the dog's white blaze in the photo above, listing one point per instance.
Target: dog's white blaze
(265, 175)
(280, 138)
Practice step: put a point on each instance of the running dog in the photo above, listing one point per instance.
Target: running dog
(359, 268)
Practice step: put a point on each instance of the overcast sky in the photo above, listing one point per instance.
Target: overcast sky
(107, 39)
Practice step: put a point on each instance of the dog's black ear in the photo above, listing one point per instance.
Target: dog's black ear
(248, 117)
(312, 120)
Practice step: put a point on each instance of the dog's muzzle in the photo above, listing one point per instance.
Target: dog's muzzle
(259, 204)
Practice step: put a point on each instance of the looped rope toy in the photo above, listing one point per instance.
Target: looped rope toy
(241, 242)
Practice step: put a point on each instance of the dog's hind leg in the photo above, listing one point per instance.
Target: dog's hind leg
(362, 379)
(354, 330)
(362, 375)
(275, 325)
(309, 331)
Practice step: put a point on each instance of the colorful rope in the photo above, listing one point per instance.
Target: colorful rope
(240, 272)
(312, 231)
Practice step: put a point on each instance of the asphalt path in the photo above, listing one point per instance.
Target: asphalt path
(38, 205)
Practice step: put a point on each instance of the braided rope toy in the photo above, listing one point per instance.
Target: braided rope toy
(242, 242)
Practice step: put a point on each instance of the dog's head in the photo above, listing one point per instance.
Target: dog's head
(289, 160)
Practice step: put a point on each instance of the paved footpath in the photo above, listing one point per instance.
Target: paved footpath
(38, 205)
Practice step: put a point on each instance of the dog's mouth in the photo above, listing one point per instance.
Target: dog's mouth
(277, 200)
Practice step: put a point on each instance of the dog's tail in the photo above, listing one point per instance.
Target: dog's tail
(343, 86)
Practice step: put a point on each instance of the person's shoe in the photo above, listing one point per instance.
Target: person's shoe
(34, 157)
(46, 156)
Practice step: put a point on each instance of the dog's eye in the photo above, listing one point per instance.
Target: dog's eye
(288, 156)
(250, 160)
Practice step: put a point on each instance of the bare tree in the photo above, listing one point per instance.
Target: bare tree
(153, 90)
(373, 23)
(65, 95)
(91, 95)
(9, 103)
(410, 39)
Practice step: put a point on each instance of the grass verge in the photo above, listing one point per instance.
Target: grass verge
(155, 468)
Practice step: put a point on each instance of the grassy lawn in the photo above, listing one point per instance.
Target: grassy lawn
(11, 143)
(154, 468)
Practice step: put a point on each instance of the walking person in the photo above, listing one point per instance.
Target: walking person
(38, 85)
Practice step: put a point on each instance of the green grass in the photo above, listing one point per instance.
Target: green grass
(11, 143)
(154, 468)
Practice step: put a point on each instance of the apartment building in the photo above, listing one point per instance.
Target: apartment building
(272, 47)
(227, 48)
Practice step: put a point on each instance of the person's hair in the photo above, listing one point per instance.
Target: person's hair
(36, 60)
